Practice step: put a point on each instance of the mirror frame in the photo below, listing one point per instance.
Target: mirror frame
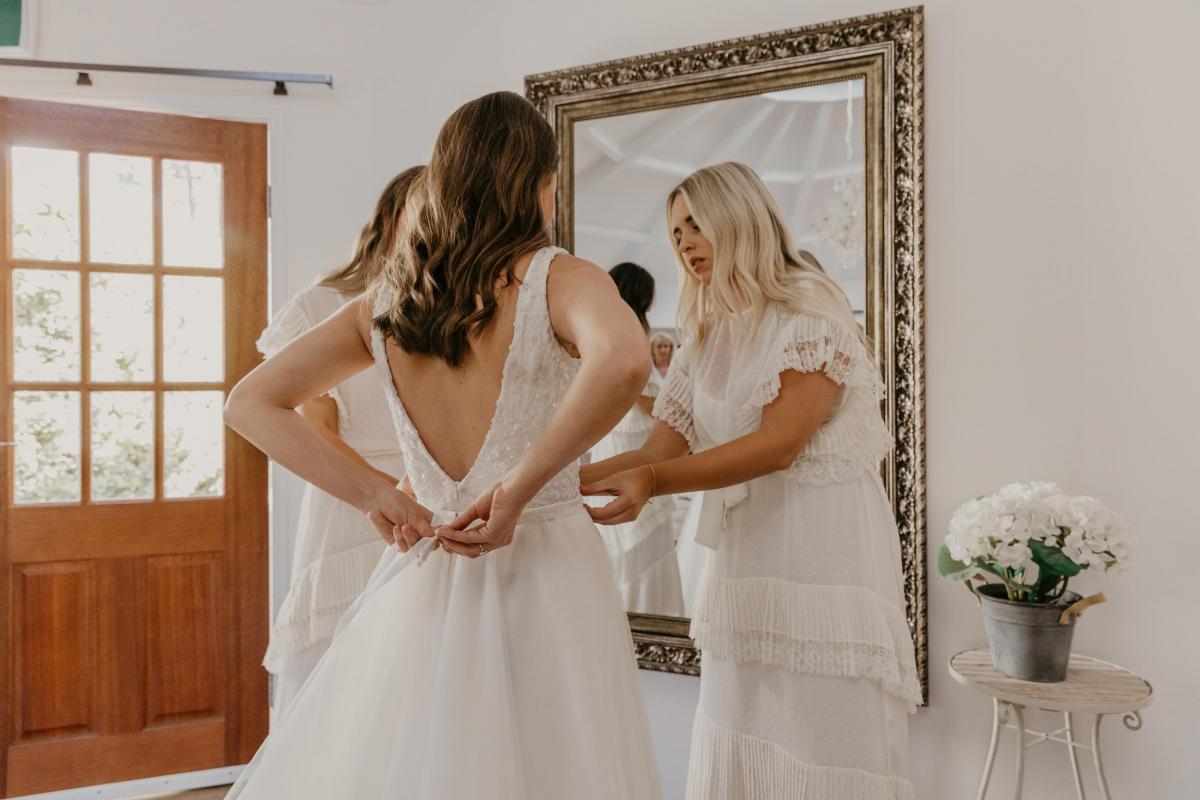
(886, 50)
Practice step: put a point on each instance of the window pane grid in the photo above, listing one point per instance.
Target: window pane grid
(192, 464)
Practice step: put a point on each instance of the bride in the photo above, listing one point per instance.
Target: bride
(489, 655)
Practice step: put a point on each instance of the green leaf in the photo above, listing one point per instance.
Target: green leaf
(954, 570)
(1051, 561)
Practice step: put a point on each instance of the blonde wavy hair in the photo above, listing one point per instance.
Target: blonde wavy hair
(755, 262)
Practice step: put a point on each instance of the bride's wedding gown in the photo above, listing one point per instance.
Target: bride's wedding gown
(507, 677)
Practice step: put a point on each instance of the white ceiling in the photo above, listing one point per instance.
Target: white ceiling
(801, 141)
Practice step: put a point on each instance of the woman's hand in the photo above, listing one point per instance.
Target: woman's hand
(400, 519)
(498, 509)
(631, 490)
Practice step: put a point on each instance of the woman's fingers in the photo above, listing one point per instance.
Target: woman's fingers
(607, 514)
(595, 489)
(466, 550)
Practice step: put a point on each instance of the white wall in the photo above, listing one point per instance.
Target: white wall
(1063, 226)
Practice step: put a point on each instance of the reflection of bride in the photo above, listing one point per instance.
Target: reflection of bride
(642, 552)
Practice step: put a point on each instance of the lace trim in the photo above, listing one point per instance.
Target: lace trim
(731, 765)
(316, 600)
(862, 446)
(674, 404)
(811, 344)
(833, 631)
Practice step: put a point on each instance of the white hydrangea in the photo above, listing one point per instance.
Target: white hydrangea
(997, 529)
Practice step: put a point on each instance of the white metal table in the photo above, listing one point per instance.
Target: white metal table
(1092, 687)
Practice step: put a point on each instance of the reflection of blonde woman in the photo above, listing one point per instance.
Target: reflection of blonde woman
(662, 350)
(336, 547)
(642, 552)
(808, 663)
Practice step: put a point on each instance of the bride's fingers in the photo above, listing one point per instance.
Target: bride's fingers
(472, 536)
(465, 518)
(382, 525)
(421, 525)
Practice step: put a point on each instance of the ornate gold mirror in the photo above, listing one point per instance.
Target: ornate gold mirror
(831, 117)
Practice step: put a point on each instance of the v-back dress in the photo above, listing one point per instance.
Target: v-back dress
(508, 677)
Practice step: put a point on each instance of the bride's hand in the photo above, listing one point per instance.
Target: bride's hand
(400, 519)
(631, 490)
(498, 509)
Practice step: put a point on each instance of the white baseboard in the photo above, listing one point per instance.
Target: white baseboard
(145, 787)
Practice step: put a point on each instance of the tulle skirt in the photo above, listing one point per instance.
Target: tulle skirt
(509, 677)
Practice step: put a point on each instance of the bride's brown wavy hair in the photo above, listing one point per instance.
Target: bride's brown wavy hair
(468, 218)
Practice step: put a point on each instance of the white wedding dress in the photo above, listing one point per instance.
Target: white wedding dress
(507, 677)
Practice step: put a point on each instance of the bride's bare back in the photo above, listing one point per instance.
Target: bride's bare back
(451, 408)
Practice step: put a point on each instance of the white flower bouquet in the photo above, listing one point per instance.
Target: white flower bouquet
(1034, 538)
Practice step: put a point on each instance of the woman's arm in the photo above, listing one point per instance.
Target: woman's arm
(788, 423)
(322, 413)
(588, 314)
(262, 409)
(662, 444)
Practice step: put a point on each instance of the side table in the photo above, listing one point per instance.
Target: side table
(1092, 687)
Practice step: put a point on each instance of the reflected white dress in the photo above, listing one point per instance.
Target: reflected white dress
(807, 671)
(335, 548)
(642, 552)
(507, 677)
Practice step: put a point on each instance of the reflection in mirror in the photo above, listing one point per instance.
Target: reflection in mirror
(808, 145)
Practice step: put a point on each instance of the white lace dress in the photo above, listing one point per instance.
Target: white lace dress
(642, 552)
(335, 548)
(507, 677)
(807, 663)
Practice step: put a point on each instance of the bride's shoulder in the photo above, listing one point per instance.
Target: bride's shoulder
(570, 273)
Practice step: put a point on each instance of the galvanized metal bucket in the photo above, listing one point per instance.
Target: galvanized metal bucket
(1026, 639)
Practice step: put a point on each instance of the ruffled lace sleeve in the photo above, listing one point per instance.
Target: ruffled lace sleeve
(289, 323)
(812, 344)
(674, 403)
(854, 438)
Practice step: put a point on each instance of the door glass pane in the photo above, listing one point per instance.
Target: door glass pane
(122, 445)
(193, 329)
(193, 233)
(46, 429)
(193, 444)
(45, 204)
(120, 209)
(122, 323)
(45, 325)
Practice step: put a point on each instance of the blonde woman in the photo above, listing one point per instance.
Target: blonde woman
(335, 548)
(642, 552)
(497, 664)
(808, 668)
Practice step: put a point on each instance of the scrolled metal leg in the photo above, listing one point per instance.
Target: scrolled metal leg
(1098, 759)
(1020, 712)
(1070, 731)
(997, 723)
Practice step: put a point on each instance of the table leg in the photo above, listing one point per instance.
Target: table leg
(1099, 760)
(991, 756)
(1074, 756)
(1020, 712)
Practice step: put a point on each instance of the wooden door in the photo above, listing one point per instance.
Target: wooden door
(133, 555)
